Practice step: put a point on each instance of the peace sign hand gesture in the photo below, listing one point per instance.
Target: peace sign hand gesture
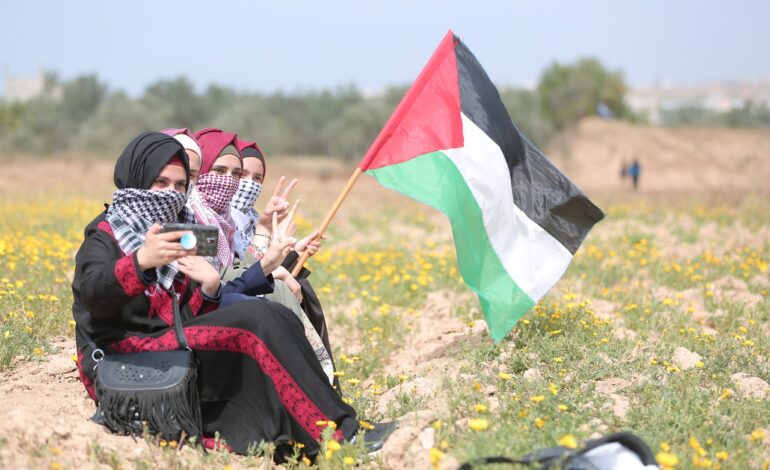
(282, 241)
(278, 203)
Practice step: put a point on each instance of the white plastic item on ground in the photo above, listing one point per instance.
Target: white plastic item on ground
(615, 456)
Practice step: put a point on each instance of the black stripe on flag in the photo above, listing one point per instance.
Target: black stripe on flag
(540, 190)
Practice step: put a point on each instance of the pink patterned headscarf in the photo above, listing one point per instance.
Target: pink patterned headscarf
(209, 199)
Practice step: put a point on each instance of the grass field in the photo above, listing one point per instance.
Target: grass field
(661, 326)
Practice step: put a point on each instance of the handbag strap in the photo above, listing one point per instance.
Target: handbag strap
(178, 328)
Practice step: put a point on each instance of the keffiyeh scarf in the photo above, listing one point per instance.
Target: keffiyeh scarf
(134, 211)
(209, 202)
(245, 216)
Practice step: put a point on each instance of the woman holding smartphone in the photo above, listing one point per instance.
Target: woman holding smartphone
(258, 376)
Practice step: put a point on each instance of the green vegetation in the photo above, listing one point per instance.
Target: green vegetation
(84, 115)
(598, 354)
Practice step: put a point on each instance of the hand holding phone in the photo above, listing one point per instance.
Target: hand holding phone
(201, 238)
(160, 249)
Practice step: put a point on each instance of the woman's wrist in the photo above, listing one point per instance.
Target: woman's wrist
(141, 260)
(210, 287)
(261, 239)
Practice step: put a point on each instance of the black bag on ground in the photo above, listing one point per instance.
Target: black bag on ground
(584, 458)
(156, 391)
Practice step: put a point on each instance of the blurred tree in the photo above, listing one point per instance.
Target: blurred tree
(118, 119)
(176, 102)
(751, 114)
(81, 97)
(524, 108)
(350, 134)
(571, 92)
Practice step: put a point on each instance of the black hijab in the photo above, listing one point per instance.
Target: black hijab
(144, 158)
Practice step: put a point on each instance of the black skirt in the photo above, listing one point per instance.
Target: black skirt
(258, 376)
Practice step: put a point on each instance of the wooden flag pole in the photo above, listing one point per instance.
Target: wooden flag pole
(329, 217)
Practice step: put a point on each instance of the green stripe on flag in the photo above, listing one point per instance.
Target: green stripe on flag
(433, 179)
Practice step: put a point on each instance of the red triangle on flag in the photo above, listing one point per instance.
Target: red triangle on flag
(428, 117)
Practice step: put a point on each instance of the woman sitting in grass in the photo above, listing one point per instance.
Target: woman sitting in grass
(252, 239)
(218, 184)
(258, 376)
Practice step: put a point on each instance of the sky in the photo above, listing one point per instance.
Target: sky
(294, 45)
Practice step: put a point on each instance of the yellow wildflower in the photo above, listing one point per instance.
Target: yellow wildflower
(667, 459)
(568, 441)
(537, 398)
(722, 455)
(435, 457)
(333, 445)
(478, 424)
(366, 425)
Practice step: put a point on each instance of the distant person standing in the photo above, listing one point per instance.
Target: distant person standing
(634, 171)
(623, 174)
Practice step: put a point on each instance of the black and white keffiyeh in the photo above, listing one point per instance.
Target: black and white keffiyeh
(246, 195)
(245, 216)
(134, 211)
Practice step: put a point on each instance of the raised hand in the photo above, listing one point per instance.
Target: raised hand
(160, 249)
(282, 241)
(311, 243)
(278, 203)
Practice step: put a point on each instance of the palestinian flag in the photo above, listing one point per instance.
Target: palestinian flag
(516, 219)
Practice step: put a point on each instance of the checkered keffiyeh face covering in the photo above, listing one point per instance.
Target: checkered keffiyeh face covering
(245, 216)
(217, 190)
(134, 211)
(246, 195)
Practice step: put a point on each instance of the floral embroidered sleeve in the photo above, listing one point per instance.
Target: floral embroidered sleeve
(131, 278)
(107, 279)
(201, 303)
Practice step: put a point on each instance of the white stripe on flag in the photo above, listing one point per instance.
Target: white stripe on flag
(533, 258)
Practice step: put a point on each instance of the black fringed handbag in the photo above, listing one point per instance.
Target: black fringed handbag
(156, 391)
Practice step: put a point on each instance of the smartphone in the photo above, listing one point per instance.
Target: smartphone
(204, 237)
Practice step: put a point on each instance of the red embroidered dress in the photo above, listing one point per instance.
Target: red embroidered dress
(258, 376)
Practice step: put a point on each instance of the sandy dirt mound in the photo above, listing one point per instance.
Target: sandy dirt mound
(672, 160)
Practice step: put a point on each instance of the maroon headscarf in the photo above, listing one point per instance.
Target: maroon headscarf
(212, 142)
(251, 150)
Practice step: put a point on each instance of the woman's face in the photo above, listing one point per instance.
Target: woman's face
(253, 170)
(227, 165)
(195, 164)
(171, 177)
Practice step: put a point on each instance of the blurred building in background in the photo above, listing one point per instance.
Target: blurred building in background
(655, 101)
(22, 89)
